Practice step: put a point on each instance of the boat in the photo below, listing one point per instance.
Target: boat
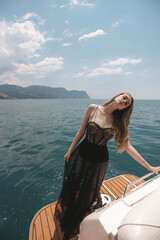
(130, 211)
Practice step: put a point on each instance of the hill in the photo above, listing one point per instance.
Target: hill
(40, 92)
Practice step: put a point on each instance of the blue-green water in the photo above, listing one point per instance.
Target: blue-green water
(35, 135)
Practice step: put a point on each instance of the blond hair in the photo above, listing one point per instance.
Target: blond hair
(121, 120)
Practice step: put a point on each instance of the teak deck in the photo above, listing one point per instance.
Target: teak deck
(44, 225)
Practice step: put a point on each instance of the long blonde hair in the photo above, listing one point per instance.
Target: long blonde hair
(121, 120)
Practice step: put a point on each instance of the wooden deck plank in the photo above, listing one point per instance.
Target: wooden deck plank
(111, 195)
(125, 183)
(58, 235)
(111, 187)
(50, 220)
(133, 178)
(117, 180)
(127, 176)
(130, 178)
(115, 187)
(46, 229)
(119, 185)
(33, 232)
(128, 182)
(121, 182)
(32, 235)
(114, 195)
(105, 191)
(38, 228)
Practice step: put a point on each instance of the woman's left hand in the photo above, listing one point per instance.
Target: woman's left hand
(155, 170)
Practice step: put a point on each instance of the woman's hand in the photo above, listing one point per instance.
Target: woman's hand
(67, 156)
(155, 170)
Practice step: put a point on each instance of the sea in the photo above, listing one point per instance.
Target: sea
(34, 137)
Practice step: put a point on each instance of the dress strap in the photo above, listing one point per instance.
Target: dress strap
(94, 115)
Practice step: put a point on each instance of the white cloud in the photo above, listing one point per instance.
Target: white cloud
(123, 61)
(115, 24)
(41, 68)
(112, 67)
(128, 73)
(92, 34)
(5, 50)
(66, 44)
(84, 67)
(73, 3)
(66, 22)
(64, 5)
(9, 78)
(81, 3)
(19, 43)
(104, 71)
(54, 39)
(80, 74)
(27, 16)
(29, 48)
(19, 39)
(67, 33)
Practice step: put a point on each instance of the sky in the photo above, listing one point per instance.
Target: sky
(102, 47)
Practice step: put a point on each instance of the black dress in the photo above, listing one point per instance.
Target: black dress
(83, 177)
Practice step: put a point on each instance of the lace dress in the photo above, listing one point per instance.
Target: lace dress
(83, 177)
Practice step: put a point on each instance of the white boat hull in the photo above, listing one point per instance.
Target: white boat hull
(135, 216)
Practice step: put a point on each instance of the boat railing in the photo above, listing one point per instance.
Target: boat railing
(136, 181)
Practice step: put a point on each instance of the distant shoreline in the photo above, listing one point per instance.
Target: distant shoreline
(39, 92)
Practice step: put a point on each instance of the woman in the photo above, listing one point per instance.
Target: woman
(86, 164)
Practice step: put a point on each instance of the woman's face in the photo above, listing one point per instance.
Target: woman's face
(123, 101)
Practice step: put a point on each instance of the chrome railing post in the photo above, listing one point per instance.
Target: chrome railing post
(136, 181)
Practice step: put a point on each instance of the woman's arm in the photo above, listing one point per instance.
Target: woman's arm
(134, 154)
(81, 131)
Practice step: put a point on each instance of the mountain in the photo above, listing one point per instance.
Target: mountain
(40, 92)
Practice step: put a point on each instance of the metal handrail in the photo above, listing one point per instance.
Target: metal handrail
(136, 181)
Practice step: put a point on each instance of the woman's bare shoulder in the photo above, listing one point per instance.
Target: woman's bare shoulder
(92, 106)
(91, 109)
